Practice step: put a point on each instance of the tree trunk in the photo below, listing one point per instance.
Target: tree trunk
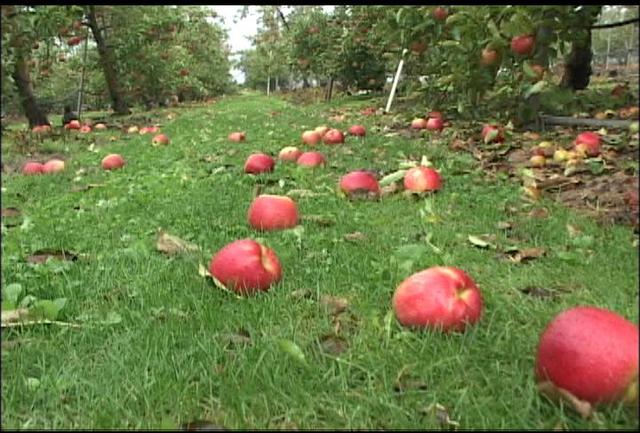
(577, 69)
(35, 114)
(107, 59)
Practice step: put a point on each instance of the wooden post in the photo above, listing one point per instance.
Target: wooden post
(395, 81)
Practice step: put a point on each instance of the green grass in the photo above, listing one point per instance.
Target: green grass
(170, 361)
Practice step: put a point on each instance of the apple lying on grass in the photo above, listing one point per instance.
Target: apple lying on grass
(311, 137)
(322, 130)
(74, 124)
(590, 353)
(32, 167)
(492, 130)
(443, 298)
(41, 129)
(588, 143)
(289, 153)
(311, 159)
(435, 124)
(419, 123)
(160, 140)
(53, 166)
(360, 184)
(357, 130)
(100, 126)
(113, 161)
(333, 136)
(422, 179)
(237, 137)
(246, 267)
(259, 163)
(273, 212)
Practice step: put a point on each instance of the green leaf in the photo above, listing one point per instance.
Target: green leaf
(293, 351)
(392, 177)
(479, 242)
(529, 72)
(536, 88)
(491, 135)
(48, 309)
(10, 295)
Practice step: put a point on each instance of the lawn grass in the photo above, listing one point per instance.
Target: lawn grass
(185, 349)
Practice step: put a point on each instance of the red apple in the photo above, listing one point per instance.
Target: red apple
(322, 130)
(311, 137)
(100, 126)
(259, 163)
(360, 183)
(486, 129)
(74, 124)
(53, 166)
(588, 143)
(160, 139)
(333, 136)
(490, 57)
(41, 129)
(113, 162)
(85, 129)
(522, 44)
(32, 167)
(273, 212)
(358, 130)
(311, 159)
(75, 40)
(421, 179)
(435, 124)
(444, 298)
(289, 153)
(419, 123)
(440, 13)
(246, 267)
(592, 353)
(237, 137)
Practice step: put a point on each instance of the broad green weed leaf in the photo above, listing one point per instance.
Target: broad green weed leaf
(293, 351)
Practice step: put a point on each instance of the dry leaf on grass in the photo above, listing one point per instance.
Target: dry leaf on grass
(171, 245)
(333, 344)
(517, 255)
(334, 304)
(584, 408)
(10, 212)
(355, 237)
(41, 256)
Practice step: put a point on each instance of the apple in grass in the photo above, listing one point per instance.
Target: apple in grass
(160, 140)
(360, 184)
(100, 126)
(311, 137)
(74, 124)
(259, 163)
(588, 143)
(113, 161)
(358, 130)
(435, 124)
(32, 167)
(273, 212)
(333, 136)
(322, 130)
(495, 131)
(443, 298)
(237, 137)
(85, 129)
(590, 353)
(53, 166)
(246, 267)
(419, 123)
(422, 179)
(289, 153)
(41, 129)
(311, 159)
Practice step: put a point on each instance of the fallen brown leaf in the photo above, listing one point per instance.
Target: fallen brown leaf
(333, 344)
(520, 255)
(42, 256)
(584, 408)
(334, 304)
(10, 212)
(355, 237)
(538, 212)
(171, 245)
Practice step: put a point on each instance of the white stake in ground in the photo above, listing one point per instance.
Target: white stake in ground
(395, 81)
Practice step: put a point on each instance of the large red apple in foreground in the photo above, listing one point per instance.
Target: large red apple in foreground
(53, 166)
(588, 143)
(237, 137)
(273, 212)
(311, 137)
(435, 124)
(311, 159)
(333, 136)
(246, 267)
(444, 298)
(592, 353)
(358, 130)
(360, 183)
(421, 179)
(259, 163)
(289, 153)
(523, 44)
(32, 167)
(113, 162)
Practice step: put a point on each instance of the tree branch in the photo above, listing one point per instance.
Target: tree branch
(284, 21)
(618, 24)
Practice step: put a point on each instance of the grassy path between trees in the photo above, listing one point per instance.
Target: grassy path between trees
(160, 346)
